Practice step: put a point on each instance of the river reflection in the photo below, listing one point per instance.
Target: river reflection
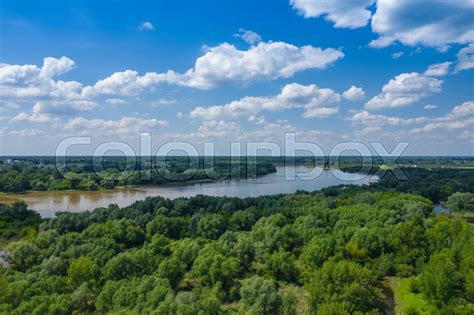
(49, 203)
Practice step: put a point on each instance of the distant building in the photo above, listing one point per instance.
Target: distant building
(7, 161)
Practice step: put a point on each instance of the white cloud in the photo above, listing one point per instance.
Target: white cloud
(405, 89)
(447, 124)
(249, 37)
(368, 130)
(69, 107)
(320, 112)
(53, 67)
(423, 22)
(162, 102)
(146, 26)
(344, 14)
(31, 81)
(222, 64)
(460, 117)
(258, 120)
(429, 106)
(270, 131)
(25, 133)
(397, 55)
(465, 109)
(125, 126)
(16, 74)
(33, 117)
(128, 83)
(366, 118)
(216, 129)
(266, 61)
(465, 58)
(354, 93)
(438, 69)
(430, 23)
(115, 101)
(292, 95)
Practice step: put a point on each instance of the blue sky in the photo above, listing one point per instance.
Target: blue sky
(237, 71)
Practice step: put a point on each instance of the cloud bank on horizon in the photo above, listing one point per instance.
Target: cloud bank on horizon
(374, 70)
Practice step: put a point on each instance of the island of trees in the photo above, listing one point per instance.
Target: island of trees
(87, 173)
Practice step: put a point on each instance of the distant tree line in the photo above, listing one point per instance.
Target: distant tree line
(80, 174)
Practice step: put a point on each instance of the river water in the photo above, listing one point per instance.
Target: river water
(276, 183)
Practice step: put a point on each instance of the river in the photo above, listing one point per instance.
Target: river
(48, 203)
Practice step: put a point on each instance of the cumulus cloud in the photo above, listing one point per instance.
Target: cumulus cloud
(53, 67)
(320, 112)
(438, 69)
(460, 117)
(366, 118)
(318, 102)
(270, 131)
(465, 58)
(26, 133)
(16, 74)
(344, 14)
(126, 126)
(222, 64)
(33, 117)
(115, 101)
(429, 107)
(354, 93)
(445, 124)
(163, 102)
(146, 26)
(423, 22)
(258, 120)
(128, 83)
(465, 109)
(61, 107)
(266, 61)
(405, 89)
(216, 129)
(249, 37)
(368, 131)
(31, 81)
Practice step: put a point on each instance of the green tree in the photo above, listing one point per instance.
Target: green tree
(121, 266)
(461, 202)
(82, 269)
(260, 296)
(441, 280)
(343, 282)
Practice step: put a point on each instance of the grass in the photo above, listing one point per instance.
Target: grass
(406, 301)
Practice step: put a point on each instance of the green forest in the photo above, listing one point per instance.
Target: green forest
(344, 250)
(86, 173)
